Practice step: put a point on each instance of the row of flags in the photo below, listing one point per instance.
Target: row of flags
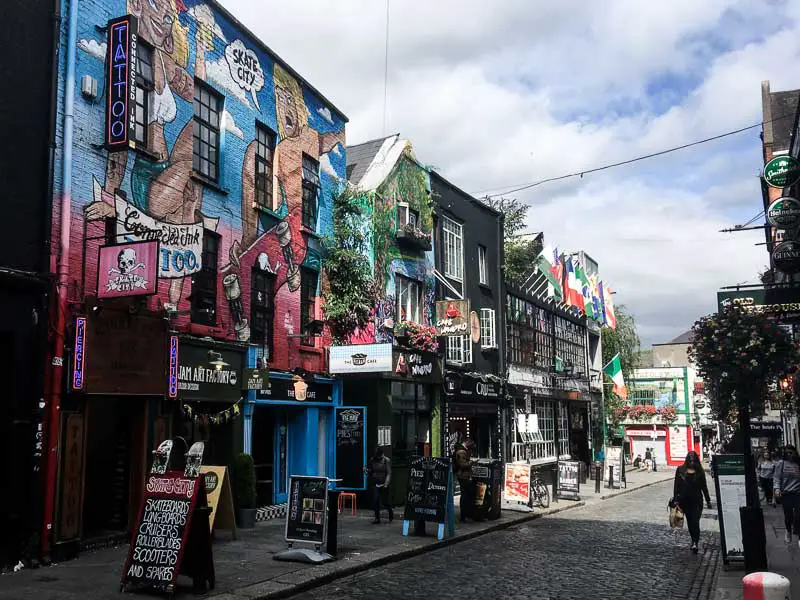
(568, 282)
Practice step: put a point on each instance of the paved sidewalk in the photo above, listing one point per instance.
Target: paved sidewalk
(782, 558)
(246, 570)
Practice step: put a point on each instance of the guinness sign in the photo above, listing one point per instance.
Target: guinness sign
(786, 257)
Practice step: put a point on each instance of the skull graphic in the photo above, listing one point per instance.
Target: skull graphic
(126, 261)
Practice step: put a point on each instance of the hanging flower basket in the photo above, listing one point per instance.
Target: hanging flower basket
(668, 414)
(417, 337)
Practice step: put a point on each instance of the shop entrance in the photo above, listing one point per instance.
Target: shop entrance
(114, 449)
(270, 447)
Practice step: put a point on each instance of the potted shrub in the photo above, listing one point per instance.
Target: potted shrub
(243, 475)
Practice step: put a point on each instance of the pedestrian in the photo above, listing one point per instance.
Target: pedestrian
(766, 474)
(380, 475)
(462, 465)
(648, 459)
(787, 489)
(688, 493)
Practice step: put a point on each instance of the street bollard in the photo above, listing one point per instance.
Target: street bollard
(598, 478)
(766, 586)
(610, 483)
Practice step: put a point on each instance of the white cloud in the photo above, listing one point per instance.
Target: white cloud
(326, 166)
(229, 124)
(94, 48)
(498, 94)
(218, 73)
(325, 113)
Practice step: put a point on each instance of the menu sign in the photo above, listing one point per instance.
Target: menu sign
(569, 483)
(307, 518)
(351, 449)
(731, 496)
(159, 540)
(428, 479)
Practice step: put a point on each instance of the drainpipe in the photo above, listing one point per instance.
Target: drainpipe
(52, 412)
(500, 325)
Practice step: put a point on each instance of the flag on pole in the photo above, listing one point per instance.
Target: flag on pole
(549, 265)
(614, 370)
(586, 293)
(597, 299)
(573, 295)
(610, 317)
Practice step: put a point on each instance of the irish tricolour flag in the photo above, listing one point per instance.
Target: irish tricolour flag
(549, 265)
(614, 370)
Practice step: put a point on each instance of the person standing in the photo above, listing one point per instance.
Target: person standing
(766, 474)
(462, 465)
(380, 475)
(787, 489)
(688, 493)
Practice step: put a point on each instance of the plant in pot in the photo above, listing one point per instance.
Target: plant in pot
(244, 490)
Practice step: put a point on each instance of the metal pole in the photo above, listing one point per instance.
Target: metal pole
(598, 477)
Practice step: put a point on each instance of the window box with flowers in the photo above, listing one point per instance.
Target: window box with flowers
(668, 414)
(639, 413)
(416, 336)
(411, 236)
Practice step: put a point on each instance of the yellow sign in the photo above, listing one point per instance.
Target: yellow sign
(220, 498)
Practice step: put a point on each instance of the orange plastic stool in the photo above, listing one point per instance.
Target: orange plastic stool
(353, 503)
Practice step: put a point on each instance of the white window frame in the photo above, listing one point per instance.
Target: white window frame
(414, 290)
(406, 216)
(459, 349)
(453, 248)
(488, 328)
(483, 265)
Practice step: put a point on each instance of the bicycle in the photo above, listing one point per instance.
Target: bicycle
(540, 494)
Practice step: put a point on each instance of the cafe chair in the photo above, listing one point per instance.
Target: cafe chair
(353, 503)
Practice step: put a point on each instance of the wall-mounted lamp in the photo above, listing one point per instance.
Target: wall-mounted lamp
(215, 360)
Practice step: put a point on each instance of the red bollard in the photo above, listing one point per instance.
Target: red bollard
(766, 586)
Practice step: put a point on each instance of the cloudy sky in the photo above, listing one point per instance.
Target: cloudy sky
(496, 94)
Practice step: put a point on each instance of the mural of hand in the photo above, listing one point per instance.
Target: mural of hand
(96, 211)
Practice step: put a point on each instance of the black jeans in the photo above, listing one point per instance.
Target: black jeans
(791, 507)
(467, 498)
(692, 512)
(380, 496)
(766, 486)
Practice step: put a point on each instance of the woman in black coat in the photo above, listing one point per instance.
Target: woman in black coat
(690, 489)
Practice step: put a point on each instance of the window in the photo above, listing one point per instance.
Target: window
(488, 339)
(483, 266)
(143, 89)
(459, 349)
(204, 283)
(407, 216)
(262, 308)
(308, 300)
(205, 150)
(529, 334)
(310, 191)
(570, 344)
(265, 147)
(545, 445)
(452, 235)
(563, 430)
(407, 292)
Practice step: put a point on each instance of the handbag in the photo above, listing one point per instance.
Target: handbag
(676, 518)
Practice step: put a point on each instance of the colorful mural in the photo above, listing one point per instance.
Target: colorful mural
(155, 191)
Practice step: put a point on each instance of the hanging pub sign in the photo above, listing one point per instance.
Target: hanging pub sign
(256, 379)
(782, 171)
(786, 257)
(121, 63)
(452, 317)
(129, 269)
(784, 213)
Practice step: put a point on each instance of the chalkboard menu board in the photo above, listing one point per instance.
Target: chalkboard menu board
(351, 449)
(426, 498)
(307, 516)
(569, 483)
(160, 538)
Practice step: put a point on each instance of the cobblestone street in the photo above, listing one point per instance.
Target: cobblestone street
(620, 548)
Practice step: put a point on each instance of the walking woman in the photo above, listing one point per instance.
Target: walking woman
(766, 474)
(787, 489)
(690, 489)
(380, 475)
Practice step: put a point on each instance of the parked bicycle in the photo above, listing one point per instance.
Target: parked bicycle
(540, 494)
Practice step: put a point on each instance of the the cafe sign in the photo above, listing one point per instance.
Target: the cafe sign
(786, 257)
(452, 317)
(784, 213)
(360, 358)
(782, 171)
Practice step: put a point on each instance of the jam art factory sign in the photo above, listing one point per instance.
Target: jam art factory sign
(784, 213)
(127, 270)
(782, 171)
(452, 317)
(786, 257)
(121, 61)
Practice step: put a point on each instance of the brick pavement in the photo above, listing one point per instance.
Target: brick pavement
(246, 569)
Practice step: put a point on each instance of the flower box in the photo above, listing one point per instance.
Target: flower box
(414, 238)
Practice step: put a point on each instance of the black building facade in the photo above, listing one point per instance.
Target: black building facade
(26, 137)
(469, 258)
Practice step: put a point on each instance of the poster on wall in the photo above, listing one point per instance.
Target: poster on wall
(678, 443)
(129, 269)
(351, 448)
(730, 489)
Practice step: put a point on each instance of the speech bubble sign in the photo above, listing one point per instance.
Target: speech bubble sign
(245, 68)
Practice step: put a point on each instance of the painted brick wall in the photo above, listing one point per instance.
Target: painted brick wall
(156, 188)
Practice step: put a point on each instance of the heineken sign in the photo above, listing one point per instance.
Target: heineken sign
(782, 171)
(784, 213)
(786, 257)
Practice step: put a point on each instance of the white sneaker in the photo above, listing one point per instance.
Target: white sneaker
(788, 538)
